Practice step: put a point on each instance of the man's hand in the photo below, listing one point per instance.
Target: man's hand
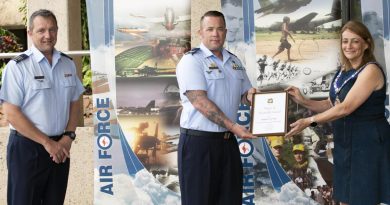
(58, 152)
(241, 131)
(250, 94)
(67, 143)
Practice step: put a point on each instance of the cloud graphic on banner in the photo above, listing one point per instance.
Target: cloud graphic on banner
(122, 187)
(159, 194)
(144, 189)
(291, 194)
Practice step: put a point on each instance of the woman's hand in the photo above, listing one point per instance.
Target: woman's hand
(295, 94)
(298, 126)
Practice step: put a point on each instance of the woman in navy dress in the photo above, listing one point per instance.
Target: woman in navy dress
(356, 108)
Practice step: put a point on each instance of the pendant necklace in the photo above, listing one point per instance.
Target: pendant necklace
(337, 88)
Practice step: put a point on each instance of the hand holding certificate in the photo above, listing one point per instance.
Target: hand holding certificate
(269, 113)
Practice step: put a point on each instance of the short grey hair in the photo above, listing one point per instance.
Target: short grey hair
(41, 12)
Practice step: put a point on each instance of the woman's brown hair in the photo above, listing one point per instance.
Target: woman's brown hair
(361, 30)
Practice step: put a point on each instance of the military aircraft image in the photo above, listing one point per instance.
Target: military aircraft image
(168, 21)
(148, 71)
(136, 32)
(280, 6)
(149, 109)
(302, 24)
(306, 24)
(145, 143)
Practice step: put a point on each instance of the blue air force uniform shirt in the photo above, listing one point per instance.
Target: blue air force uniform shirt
(224, 81)
(42, 91)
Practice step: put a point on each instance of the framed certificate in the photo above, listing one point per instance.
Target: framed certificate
(269, 113)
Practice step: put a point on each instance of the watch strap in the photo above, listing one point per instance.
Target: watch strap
(70, 134)
(313, 123)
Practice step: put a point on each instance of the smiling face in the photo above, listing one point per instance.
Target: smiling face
(298, 156)
(213, 33)
(353, 47)
(43, 34)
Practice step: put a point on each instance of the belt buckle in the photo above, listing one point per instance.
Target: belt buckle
(226, 135)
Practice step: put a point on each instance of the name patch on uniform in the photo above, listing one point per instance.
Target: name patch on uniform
(39, 77)
(213, 66)
(68, 75)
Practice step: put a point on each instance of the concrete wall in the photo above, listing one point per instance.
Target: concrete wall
(198, 8)
(10, 17)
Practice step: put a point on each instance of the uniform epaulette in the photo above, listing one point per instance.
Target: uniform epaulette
(231, 53)
(192, 51)
(63, 54)
(20, 58)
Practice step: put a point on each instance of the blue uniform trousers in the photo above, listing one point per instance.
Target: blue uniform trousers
(210, 168)
(33, 178)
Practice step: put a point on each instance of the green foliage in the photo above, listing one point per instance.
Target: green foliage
(87, 79)
(87, 72)
(8, 43)
(1, 70)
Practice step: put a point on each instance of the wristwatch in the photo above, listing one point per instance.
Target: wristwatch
(313, 123)
(70, 134)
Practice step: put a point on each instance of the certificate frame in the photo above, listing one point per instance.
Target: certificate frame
(269, 113)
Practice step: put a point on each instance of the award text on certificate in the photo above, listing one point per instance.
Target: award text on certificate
(269, 113)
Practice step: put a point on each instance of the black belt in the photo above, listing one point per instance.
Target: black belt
(55, 137)
(219, 135)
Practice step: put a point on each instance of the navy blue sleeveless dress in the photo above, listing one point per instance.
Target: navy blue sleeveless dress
(361, 148)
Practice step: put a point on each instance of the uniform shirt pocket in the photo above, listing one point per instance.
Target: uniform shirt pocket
(216, 82)
(41, 85)
(239, 75)
(214, 74)
(40, 90)
(69, 82)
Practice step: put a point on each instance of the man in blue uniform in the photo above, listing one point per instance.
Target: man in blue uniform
(212, 84)
(40, 95)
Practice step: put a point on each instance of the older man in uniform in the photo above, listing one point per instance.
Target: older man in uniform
(40, 95)
(212, 84)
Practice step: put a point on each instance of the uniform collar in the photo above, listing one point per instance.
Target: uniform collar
(38, 55)
(208, 53)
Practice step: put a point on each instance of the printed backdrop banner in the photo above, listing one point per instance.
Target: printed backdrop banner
(386, 39)
(135, 46)
(376, 17)
(306, 60)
